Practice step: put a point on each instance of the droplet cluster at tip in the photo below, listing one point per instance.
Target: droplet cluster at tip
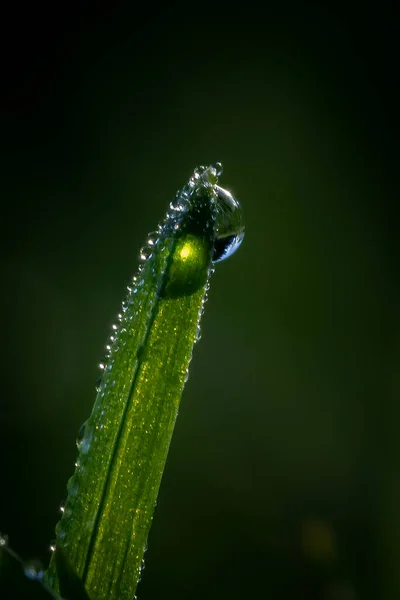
(207, 176)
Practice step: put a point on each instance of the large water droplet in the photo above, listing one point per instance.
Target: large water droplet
(230, 225)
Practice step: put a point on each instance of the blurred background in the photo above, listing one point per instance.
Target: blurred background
(283, 475)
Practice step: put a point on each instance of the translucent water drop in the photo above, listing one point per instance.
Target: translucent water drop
(198, 171)
(33, 569)
(218, 168)
(81, 433)
(230, 225)
(86, 440)
(145, 253)
(3, 540)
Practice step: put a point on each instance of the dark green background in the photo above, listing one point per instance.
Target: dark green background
(283, 476)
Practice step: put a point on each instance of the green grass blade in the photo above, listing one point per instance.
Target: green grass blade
(112, 494)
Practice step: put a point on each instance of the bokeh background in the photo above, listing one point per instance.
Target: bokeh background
(283, 476)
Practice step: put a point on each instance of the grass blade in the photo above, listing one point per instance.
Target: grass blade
(112, 494)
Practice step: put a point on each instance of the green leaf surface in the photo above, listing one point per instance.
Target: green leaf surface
(112, 494)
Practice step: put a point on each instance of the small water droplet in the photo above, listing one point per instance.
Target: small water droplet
(81, 433)
(218, 168)
(229, 223)
(145, 252)
(33, 569)
(3, 540)
(53, 545)
(152, 238)
(72, 487)
(86, 440)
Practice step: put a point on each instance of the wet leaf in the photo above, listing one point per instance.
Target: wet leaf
(125, 441)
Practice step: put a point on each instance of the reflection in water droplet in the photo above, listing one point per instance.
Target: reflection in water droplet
(230, 225)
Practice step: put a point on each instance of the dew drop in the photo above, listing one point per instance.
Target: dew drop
(230, 225)
(52, 546)
(218, 168)
(3, 540)
(86, 440)
(151, 239)
(145, 252)
(198, 333)
(33, 569)
(81, 433)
